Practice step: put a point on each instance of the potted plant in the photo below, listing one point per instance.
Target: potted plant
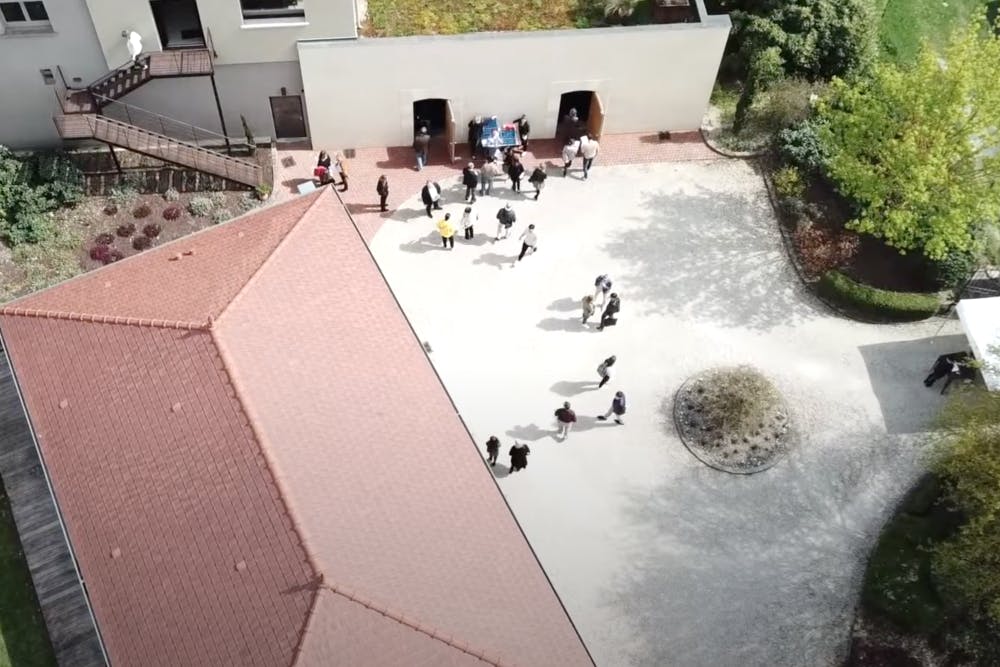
(263, 191)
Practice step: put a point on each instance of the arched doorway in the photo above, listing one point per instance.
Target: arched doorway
(436, 115)
(589, 112)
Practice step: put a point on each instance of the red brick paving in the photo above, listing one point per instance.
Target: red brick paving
(397, 163)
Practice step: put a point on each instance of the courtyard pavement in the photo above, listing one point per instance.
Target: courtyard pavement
(659, 559)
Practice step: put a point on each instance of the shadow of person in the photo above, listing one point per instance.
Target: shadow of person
(572, 387)
(428, 243)
(566, 304)
(494, 259)
(500, 470)
(530, 432)
(477, 240)
(562, 324)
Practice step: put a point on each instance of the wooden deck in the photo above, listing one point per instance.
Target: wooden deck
(60, 590)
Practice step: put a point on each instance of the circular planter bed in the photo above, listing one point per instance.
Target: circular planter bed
(733, 419)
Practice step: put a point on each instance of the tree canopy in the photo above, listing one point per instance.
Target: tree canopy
(918, 148)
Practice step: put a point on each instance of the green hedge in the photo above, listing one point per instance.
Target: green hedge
(877, 303)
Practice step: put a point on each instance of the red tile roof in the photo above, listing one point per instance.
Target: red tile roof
(237, 494)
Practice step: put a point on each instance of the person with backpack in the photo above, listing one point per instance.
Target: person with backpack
(617, 408)
(602, 285)
(492, 449)
(470, 179)
(565, 417)
(537, 179)
(603, 370)
(519, 456)
(505, 220)
(382, 188)
(608, 318)
(430, 195)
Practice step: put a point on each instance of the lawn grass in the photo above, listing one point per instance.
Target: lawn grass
(397, 18)
(23, 639)
(906, 23)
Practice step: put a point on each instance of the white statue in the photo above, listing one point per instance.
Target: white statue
(134, 42)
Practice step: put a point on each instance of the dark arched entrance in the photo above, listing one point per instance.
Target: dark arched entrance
(436, 115)
(589, 112)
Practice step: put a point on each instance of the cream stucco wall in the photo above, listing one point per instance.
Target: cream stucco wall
(234, 40)
(360, 93)
(26, 102)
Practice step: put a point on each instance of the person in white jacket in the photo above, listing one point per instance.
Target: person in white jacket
(588, 149)
(469, 218)
(569, 152)
(133, 41)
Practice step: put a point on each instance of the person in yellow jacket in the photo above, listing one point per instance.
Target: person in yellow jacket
(447, 231)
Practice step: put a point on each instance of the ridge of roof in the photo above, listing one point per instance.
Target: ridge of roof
(398, 617)
(274, 251)
(16, 311)
(272, 468)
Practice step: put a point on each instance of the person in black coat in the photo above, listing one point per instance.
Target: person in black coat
(493, 449)
(608, 316)
(430, 195)
(382, 188)
(537, 179)
(519, 456)
(524, 129)
(515, 171)
(475, 134)
(470, 179)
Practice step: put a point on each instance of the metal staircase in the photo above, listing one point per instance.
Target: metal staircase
(94, 112)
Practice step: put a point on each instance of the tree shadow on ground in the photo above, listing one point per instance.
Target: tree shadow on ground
(714, 256)
(896, 371)
(765, 569)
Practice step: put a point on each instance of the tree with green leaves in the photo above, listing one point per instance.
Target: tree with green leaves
(765, 69)
(918, 148)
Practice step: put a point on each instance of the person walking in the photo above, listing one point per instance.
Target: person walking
(519, 456)
(569, 151)
(340, 167)
(489, 171)
(524, 129)
(492, 449)
(505, 220)
(537, 179)
(323, 166)
(566, 418)
(608, 318)
(617, 408)
(447, 231)
(589, 149)
(588, 308)
(469, 218)
(515, 171)
(430, 195)
(382, 188)
(421, 146)
(604, 370)
(602, 285)
(528, 240)
(470, 179)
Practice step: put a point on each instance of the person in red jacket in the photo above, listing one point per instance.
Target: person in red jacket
(565, 418)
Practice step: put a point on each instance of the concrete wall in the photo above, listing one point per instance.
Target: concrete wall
(360, 93)
(235, 40)
(243, 89)
(26, 103)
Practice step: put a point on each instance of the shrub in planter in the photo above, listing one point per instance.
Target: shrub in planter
(142, 242)
(126, 230)
(105, 238)
(171, 195)
(141, 211)
(105, 254)
(793, 207)
(200, 206)
(877, 303)
(247, 202)
(221, 215)
(152, 230)
(172, 212)
(263, 191)
(788, 183)
(122, 195)
(218, 199)
(62, 180)
(800, 146)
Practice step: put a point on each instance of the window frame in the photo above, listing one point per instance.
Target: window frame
(287, 15)
(28, 24)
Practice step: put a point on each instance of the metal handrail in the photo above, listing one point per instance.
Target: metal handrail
(123, 67)
(161, 123)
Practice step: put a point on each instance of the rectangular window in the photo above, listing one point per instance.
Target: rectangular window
(26, 14)
(272, 9)
(48, 77)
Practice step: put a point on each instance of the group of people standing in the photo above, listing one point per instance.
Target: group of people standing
(328, 169)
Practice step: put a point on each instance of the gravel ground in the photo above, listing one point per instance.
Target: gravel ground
(659, 559)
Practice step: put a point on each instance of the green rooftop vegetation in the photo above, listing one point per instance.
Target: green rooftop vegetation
(399, 18)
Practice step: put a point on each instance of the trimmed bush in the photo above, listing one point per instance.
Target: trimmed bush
(220, 215)
(126, 230)
(877, 303)
(171, 195)
(105, 254)
(218, 199)
(142, 242)
(152, 230)
(800, 146)
(788, 183)
(200, 206)
(172, 212)
(105, 238)
(141, 211)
